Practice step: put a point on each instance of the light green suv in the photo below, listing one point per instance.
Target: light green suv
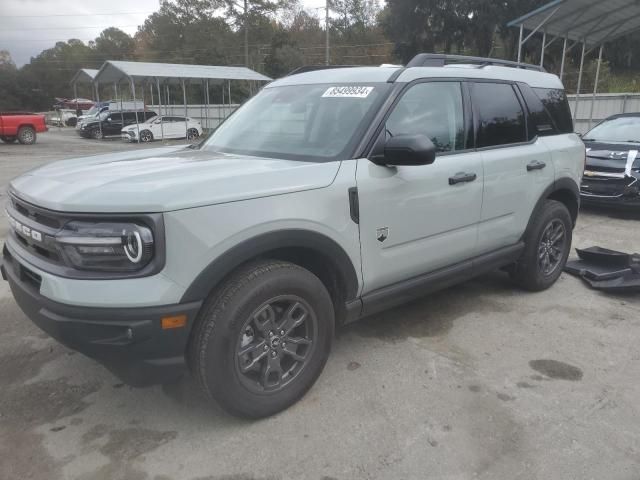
(329, 196)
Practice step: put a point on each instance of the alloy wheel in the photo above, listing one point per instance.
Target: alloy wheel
(551, 247)
(275, 344)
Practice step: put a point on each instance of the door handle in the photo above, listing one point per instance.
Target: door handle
(535, 165)
(462, 177)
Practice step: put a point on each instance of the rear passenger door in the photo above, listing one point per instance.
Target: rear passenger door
(517, 165)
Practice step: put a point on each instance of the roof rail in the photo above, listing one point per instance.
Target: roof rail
(313, 68)
(440, 60)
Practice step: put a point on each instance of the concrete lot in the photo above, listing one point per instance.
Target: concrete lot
(479, 381)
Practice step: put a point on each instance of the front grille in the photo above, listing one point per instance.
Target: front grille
(45, 222)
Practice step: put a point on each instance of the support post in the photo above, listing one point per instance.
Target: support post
(160, 109)
(326, 27)
(544, 45)
(624, 104)
(564, 54)
(97, 85)
(595, 86)
(246, 34)
(186, 124)
(229, 96)
(75, 95)
(135, 109)
(520, 43)
(575, 108)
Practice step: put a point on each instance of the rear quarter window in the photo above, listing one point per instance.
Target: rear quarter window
(556, 104)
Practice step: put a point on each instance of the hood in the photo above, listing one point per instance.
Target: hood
(613, 157)
(164, 179)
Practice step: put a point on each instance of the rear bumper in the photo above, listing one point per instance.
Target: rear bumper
(130, 342)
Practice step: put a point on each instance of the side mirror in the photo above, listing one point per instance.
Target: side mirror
(409, 150)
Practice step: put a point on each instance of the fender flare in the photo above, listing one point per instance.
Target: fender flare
(561, 184)
(256, 246)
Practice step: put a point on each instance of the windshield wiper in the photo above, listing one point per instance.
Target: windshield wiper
(588, 139)
(632, 141)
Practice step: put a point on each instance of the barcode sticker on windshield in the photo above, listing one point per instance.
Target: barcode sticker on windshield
(348, 92)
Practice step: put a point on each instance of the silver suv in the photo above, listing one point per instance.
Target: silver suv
(329, 196)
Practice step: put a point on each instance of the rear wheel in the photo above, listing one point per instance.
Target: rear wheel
(547, 246)
(146, 136)
(6, 139)
(263, 338)
(192, 133)
(27, 135)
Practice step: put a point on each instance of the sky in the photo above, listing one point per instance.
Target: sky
(29, 26)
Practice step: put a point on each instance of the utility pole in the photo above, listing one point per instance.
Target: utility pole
(326, 26)
(246, 33)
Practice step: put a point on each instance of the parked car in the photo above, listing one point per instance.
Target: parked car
(111, 123)
(92, 114)
(163, 126)
(22, 127)
(612, 170)
(329, 196)
(73, 104)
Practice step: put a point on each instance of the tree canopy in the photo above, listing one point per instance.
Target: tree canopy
(283, 35)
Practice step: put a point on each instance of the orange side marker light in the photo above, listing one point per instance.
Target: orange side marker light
(177, 321)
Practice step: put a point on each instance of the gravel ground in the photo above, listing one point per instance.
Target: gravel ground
(480, 381)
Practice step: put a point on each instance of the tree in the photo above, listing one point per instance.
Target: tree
(114, 44)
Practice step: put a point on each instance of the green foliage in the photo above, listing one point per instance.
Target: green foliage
(282, 35)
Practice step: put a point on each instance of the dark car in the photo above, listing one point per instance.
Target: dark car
(612, 171)
(111, 123)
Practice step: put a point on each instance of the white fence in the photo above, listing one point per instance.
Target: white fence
(209, 116)
(605, 105)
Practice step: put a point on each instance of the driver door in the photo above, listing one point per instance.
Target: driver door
(418, 219)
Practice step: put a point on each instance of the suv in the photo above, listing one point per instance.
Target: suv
(329, 196)
(111, 123)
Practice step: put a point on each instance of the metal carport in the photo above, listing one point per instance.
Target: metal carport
(589, 23)
(84, 75)
(155, 74)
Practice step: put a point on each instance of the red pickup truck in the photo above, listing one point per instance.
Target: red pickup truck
(21, 127)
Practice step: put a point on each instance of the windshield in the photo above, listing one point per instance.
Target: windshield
(318, 122)
(92, 111)
(621, 129)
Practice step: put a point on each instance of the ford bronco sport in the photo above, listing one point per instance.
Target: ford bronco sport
(329, 196)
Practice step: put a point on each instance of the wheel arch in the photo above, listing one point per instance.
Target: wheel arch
(314, 251)
(564, 190)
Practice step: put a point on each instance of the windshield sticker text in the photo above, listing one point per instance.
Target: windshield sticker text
(348, 92)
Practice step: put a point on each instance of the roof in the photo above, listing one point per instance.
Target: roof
(115, 71)
(383, 74)
(338, 75)
(84, 75)
(591, 21)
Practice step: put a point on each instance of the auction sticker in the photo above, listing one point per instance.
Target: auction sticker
(348, 92)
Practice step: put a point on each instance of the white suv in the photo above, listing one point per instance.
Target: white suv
(330, 195)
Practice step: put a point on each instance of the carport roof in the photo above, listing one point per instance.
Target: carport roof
(592, 22)
(115, 71)
(84, 75)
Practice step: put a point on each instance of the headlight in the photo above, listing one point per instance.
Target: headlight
(106, 246)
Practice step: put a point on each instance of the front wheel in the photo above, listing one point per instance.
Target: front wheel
(263, 338)
(96, 134)
(27, 135)
(547, 245)
(146, 136)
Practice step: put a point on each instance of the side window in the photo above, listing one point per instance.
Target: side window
(556, 103)
(500, 116)
(540, 121)
(433, 109)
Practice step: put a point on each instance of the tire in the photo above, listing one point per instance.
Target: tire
(8, 139)
(543, 243)
(96, 134)
(192, 133)
(247, 313)
(71, 122)
(146, 136)
(27, 135)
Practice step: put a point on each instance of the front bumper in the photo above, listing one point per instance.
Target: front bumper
(604, 189)
(128, 136)
(130, 342)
